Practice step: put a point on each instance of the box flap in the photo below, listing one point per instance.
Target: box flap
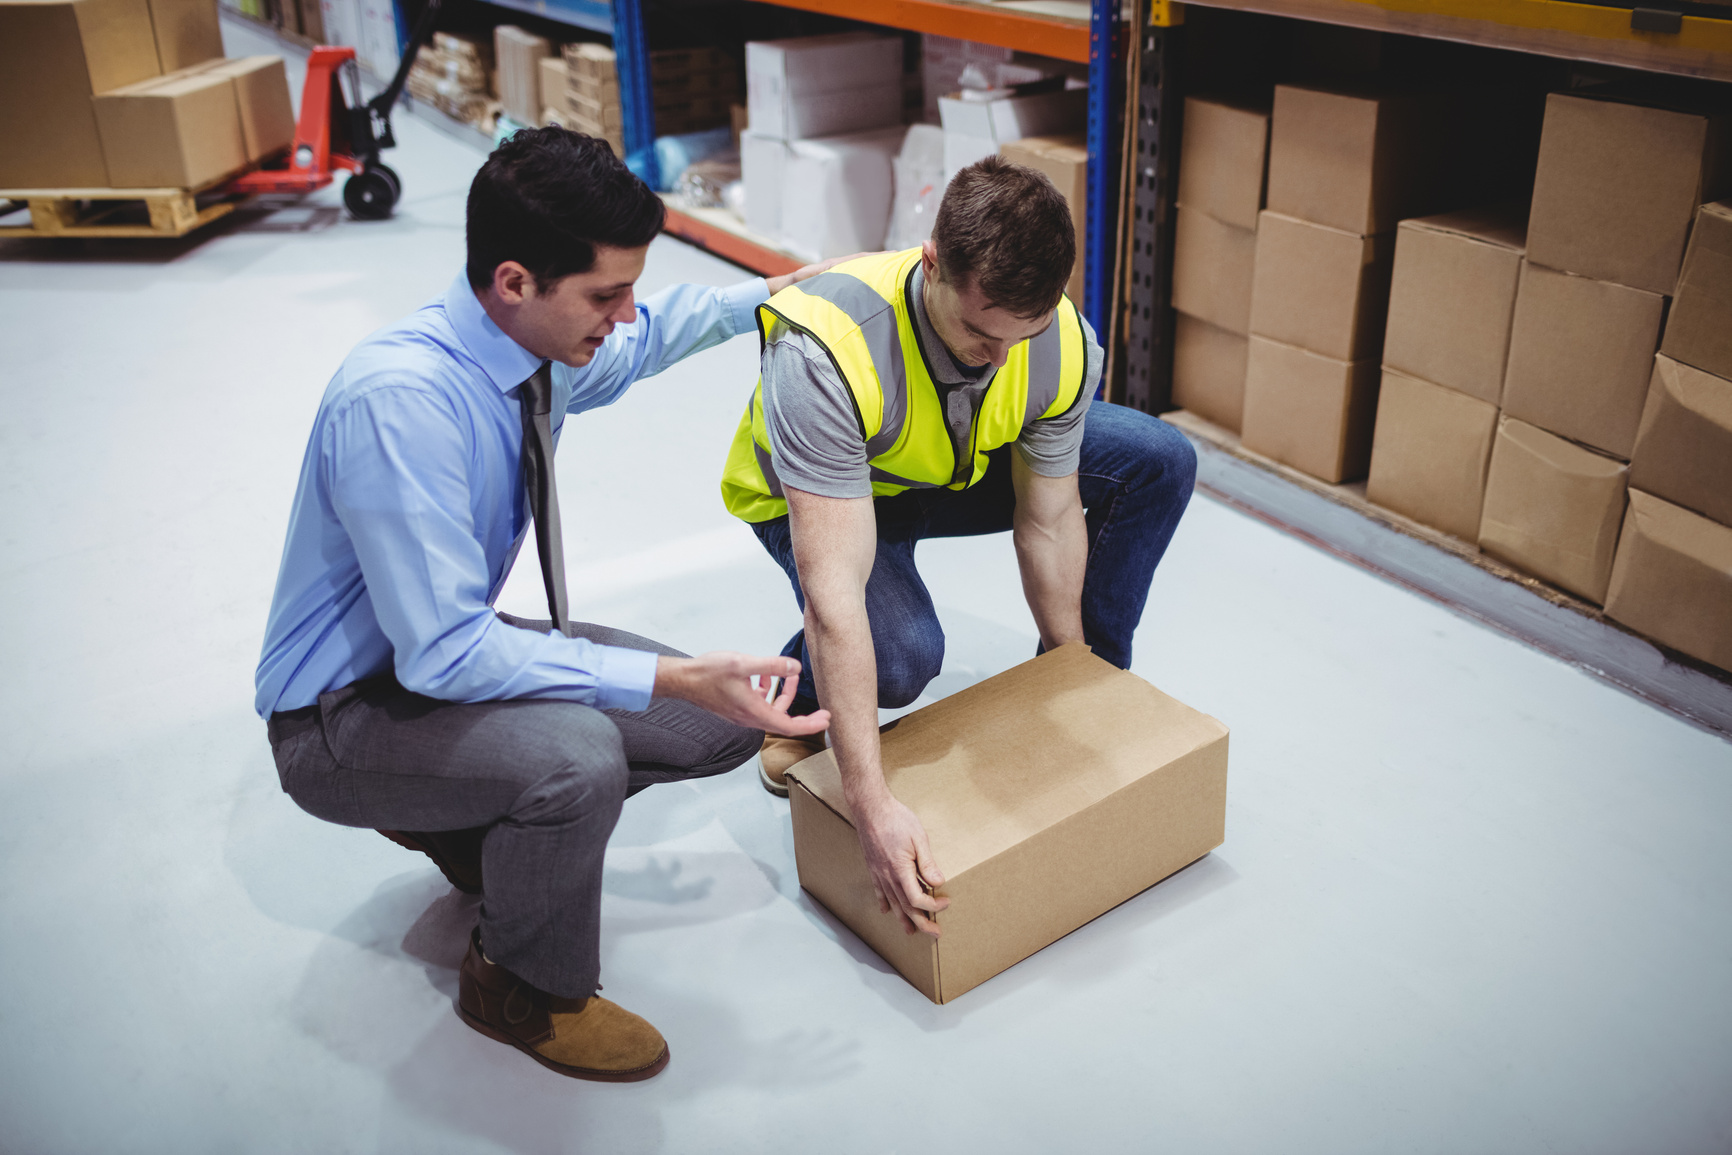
(991, 765)
(1505, 226)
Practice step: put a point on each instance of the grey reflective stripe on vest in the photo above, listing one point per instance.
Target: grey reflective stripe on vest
(892, 479)
(1045, 363)
(877, 320)
(768, 470)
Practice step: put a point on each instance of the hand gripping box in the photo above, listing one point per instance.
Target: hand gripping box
(1050, 794)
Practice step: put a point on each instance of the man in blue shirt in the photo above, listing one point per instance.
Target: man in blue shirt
(397, 698)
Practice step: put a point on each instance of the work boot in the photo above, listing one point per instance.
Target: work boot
(584, 1038)
(457, 853)
(780, 754)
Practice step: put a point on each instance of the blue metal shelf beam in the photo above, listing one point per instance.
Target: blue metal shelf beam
(586, 14)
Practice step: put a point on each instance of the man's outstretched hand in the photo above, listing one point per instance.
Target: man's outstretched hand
(744, 690)
(899, 860)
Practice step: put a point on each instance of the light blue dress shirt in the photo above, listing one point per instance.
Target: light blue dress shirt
(411, 508)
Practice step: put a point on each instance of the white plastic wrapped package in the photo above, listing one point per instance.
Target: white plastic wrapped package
(919, 179)
(836, 193)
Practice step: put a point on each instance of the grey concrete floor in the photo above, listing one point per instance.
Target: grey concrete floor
(1471, 900)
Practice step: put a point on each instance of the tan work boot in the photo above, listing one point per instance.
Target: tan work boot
(584, 1038)
(780, 754)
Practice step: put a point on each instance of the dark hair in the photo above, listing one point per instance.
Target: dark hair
(546, 198)
(1010, 229)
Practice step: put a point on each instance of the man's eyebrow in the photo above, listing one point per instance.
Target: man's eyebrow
(616, 288)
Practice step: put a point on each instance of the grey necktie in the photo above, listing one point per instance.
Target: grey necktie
(537, 405)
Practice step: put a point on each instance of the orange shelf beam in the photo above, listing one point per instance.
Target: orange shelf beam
(729, 245)
(1042, 35)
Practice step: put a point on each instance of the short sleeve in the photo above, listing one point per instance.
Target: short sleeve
(816, 443)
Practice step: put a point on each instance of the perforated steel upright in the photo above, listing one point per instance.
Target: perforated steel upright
(1155, 169)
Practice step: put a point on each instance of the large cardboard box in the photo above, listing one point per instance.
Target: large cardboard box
(1553, 508)
(177, 131)
(1617, 185)
(1673, 579)
(1354, 161)
(1580, 355)
(186, 32)
(1429, 453)
(975, 129)
(1684, 446)
(1209, 371)
(261, 87)
(824, 85)
(1308, 410)
(1065, 161)
(1050, 794)
(1212, 267)
(53, 58)
(1223, 159)
(836, 193)
(1699, 327)
(1451, 298)
(1320, 288)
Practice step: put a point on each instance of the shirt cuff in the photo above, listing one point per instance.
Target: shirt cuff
(626, 679)
(741, 302)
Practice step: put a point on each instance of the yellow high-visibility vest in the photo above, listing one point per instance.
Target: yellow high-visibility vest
(861, 314)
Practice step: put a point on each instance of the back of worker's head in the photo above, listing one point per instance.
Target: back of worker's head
(546, 197)
(1009, 230)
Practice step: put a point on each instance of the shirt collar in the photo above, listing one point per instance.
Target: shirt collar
(506, 363)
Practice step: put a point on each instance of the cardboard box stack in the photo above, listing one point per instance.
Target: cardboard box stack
(1050, 794)
(1451, 300)
(1223, 168)
(824, 129)
(1065, 161)
(452, 74)
(592, 94)
(693, 89)
(519, 55)
(193, 126)
(981, 122)
(1344, 168)
(552, 90)
(1615, 191)
(1672, 577)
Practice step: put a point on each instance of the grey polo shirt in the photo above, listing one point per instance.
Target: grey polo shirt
(815, 437)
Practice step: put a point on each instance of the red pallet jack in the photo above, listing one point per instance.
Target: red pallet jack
(337, 130)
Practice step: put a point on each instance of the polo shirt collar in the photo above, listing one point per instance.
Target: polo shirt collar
(506, 363)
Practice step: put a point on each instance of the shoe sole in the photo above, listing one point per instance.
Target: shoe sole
(779, 790)
(633, 1076)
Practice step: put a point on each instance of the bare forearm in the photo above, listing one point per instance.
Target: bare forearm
(839, 640)
(1053, 559)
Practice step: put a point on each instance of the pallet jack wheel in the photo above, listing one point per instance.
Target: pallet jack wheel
(370, 194)
(390, 174)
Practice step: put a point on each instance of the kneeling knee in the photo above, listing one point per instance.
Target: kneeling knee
(904, 677)
(584, 774)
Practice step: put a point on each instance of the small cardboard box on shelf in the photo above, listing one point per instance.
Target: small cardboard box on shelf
(1580, 355)
(1684, 446)
(1209, 371)
(1212, 270)
(1320, 288)
(1050, 794)
(1309, 410)
(1553, 508)
(1699, 327)
(1429, 453)
(520, 54)
(1354, 160)
(824, 85)
(1223, 160)
(1451, 298)
(1673, 579)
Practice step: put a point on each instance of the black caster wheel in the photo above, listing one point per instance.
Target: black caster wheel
(370, 194)
(390, 174)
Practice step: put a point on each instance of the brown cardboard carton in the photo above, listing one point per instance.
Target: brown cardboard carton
(1320, 288)
(1209, 371)
(262, 98)
(186, 32)
(553, 81)
(1617, 185)
(1065, 161)
(520, 54)
(1050, 793)
(1354, 161)
(1223, 160)
(1430, 452)
(1673, 579)
(1580, 355)
(1451, 297)
(53, 58)
(1684, 447)
(1212, 264)
(177, 131)
(1699, 327)
(1312, 412)
(1553, 508)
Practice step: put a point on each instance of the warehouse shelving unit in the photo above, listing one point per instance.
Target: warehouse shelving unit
(1689, 39)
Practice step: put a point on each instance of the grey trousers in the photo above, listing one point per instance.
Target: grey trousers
(546, 779)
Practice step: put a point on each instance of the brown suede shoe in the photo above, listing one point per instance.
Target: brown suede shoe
(457, 853)
(584, 1038)
(779, 754)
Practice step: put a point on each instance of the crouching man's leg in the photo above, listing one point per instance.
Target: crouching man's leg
(1135, 478)
(907, 640)
(545, 780)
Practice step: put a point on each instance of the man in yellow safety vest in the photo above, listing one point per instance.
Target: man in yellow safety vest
(940, 392)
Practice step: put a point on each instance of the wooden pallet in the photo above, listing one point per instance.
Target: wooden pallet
(110, 212)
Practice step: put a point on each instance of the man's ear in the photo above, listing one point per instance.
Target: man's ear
(512, 283)
(929, 258)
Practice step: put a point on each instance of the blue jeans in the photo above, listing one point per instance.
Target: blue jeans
(1136, 477)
